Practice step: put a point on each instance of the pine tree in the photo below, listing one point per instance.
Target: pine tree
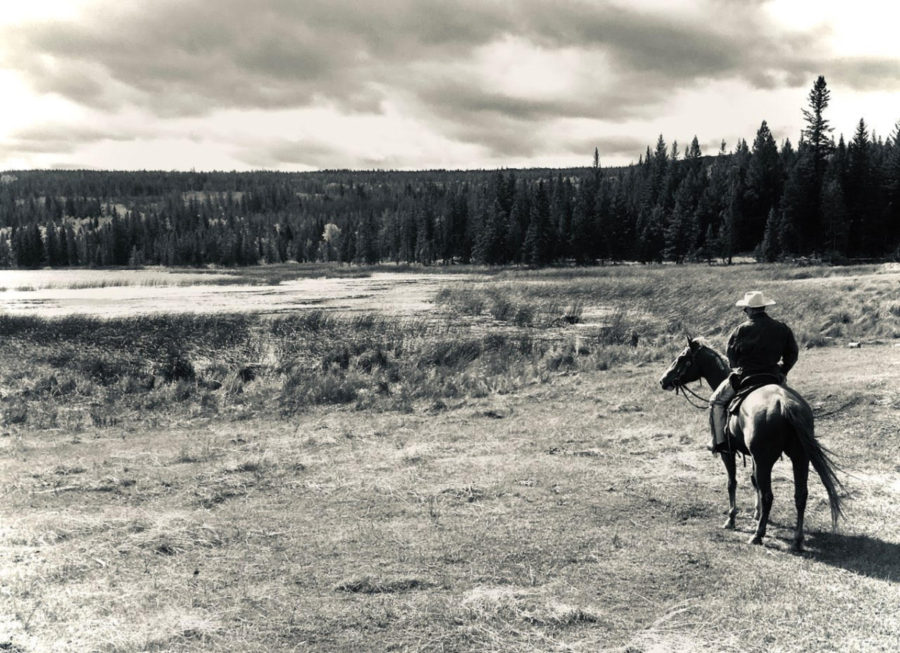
(651, 235)
(683, 229)
(864, 229)
(29, 246)
(819, 146)
(712, 199)
(347, 248)
(834, 218)
(538, 246)
(581, 234)
(600, 227)
(709, 245)
(366, 241)
(71, 246)
(693, 156)
(136, 258)
(769, 249)
(425, 249)
(490, 245)
(764, 186)
(891, 182)
(732, 215)
(788, 155)
(800, 204)
(817, 126)
(659, 167)
(676, 238)
(621, 224)
(726, 238)
(519, 217)
(55, 253)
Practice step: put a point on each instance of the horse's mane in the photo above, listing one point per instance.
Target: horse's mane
(704, 342)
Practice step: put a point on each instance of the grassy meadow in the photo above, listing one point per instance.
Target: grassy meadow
(501, 474)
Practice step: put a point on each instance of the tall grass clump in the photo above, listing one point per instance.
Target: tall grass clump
(447, 353)
(302, 388)
(502, 308)
(504, 331)
(300, 323)
(139, 363)
(574, 312)
(465, 301)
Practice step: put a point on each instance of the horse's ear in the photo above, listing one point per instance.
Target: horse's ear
(691, 342)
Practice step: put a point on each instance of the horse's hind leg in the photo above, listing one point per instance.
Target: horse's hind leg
(763, 476)
(731, 467)
(801, 475)
(758, 506)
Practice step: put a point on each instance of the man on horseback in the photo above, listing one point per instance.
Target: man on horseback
(760, 350)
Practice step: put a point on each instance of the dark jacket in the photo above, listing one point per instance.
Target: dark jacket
(756, 346)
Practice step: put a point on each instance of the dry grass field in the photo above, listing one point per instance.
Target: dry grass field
(501, 477)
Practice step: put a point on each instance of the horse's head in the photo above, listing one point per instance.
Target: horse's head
(684, 369)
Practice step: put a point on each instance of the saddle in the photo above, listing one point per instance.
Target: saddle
(743, 386)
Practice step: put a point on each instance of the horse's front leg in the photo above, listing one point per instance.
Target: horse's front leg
(728, 459)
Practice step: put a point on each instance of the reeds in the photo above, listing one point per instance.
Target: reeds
(490, 336)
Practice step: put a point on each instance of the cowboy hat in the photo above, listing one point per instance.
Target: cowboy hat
(754, 299)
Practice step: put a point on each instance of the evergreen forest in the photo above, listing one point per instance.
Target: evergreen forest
(836, 201)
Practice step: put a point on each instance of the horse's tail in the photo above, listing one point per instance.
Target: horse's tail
(799, 414)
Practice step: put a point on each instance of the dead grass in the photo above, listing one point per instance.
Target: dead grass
(512, 507)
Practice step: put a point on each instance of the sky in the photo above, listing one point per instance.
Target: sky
(299, 85)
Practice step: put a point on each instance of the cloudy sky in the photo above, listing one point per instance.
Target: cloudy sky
(406, 84)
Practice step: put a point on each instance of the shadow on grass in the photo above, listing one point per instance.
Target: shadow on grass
(860, 554)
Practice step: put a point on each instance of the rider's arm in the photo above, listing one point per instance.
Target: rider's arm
(732, 352)
(790, 353)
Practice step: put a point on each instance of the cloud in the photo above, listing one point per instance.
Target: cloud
(191, 56)
(490, 73)
(61, 138)
(615, 147)
(864, 73)
(300, 152)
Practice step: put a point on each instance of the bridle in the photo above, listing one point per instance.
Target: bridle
(685, 391)
(681, 388)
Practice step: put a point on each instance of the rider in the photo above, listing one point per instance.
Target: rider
(754, 348)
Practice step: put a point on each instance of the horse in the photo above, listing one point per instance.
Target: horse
(772, 420)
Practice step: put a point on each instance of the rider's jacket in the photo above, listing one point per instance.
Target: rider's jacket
(756, 346)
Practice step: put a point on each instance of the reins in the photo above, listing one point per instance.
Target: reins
(684, 390)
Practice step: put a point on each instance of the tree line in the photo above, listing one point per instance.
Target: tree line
(831, 200)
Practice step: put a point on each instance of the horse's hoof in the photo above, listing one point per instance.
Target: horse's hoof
(797, 547)
(756, 539)
(729, 525)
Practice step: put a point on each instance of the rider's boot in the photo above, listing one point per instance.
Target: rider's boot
(718, 418)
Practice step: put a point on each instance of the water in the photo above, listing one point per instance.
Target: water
(56, 293)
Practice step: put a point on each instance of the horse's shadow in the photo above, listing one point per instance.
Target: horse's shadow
(861, 554)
